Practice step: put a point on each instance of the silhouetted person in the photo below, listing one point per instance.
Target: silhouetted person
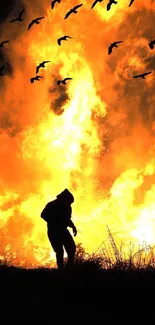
(151, 44)
(35, 21)
(4, 42)
(64, 38)
(95, 2)
(131, 2)
(114, 44)
(63, 81)
(58, 214)
(110, 4)
(54, 2)
(19, 18)
(142, 75)
(41, 65)
(73, 10)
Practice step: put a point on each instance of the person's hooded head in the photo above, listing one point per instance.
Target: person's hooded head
(66, 196)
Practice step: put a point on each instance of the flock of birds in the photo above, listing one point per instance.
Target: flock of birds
(65, 37)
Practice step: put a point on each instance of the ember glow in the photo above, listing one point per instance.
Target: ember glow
(94, 135)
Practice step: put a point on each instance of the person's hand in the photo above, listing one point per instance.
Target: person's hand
(74, 231)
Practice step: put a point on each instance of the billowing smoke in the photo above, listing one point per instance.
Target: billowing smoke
(94, 135)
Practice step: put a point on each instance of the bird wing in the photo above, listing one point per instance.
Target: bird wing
(20, 15)
(94, 3)
(45, 62)
(108, 6)
(145, 74)
(39, 18)
(138, 76)
(37, 68)
(59, 41)
(110, 49)
(118, 42)
(131, 2)
(78, 6)
(68, 13)
(52, 4)
(30, 25)
(151, 45)
(31, 80)
(1, 68)
(67, 79)
(58, 82)
(5, 42)
(64, 38)
(11, 21)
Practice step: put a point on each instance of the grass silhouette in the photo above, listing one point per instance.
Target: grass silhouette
(100, 285)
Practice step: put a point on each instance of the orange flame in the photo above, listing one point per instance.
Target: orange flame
(94, 135)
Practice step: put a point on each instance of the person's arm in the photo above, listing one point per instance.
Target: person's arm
(71, 225)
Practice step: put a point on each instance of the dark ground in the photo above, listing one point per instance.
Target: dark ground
(86, 291)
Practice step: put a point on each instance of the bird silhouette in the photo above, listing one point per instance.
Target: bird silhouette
(95, 2)
(35, 78)
(54, 2)
(64, 38)
(1, 69)
(2, 43)
(73, 10)
(41, 65)
(35, 21)
(19, 18)
(114, 44)
(151, 44)
(63, 81)
(110, 4)
(131, 2)
(142, 75)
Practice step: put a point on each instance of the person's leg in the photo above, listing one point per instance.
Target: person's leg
(57, 246)
(60, 257)
(70, 247)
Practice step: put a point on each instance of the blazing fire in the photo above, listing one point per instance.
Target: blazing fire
(94, 135)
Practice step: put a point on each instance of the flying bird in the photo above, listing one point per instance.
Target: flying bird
(19, 18)
(41, 65)
(2, 43)
(54, 2)
(73, 10)
(1, 69)
(35, 78)
(63, 81)
(64, 38)
(110, 4)
(151, 44)
(35, 21)
(95, 2)
(114, 44)
(131, 2)
(142, 75)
